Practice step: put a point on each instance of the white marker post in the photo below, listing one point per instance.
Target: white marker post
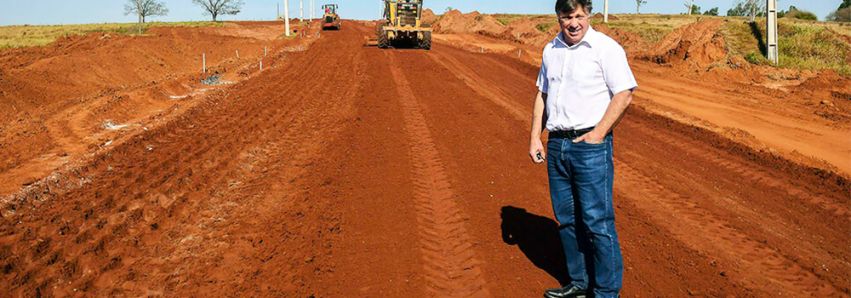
(605, 11)
(301, 10)
(287, 17)
(204, 62)
(237, 54)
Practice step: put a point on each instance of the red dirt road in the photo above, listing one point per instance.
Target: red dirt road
(350, 171)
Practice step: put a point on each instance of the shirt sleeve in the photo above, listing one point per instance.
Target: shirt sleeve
(616, 71)
(542, 83)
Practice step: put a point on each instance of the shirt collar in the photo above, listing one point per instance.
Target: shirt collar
(587, 40)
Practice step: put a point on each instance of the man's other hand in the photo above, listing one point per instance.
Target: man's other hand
(536, 151)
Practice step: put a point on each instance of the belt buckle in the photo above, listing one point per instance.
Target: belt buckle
(573, 133)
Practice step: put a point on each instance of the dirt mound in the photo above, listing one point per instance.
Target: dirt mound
(697, 45)
(631, 42)
(531, 31)
(829, 93)
(599, 17)
(535, 31)
(454, 21)
(428, 17)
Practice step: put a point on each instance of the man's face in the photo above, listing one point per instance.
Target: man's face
(574, 25)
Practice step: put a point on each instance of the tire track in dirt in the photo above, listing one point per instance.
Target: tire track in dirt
(810, 235)
(761, 263)
(473, 80)
(761, 177)
(168, 191)
(451, 267)
(804, 253)
(141, 190)
(271, 191)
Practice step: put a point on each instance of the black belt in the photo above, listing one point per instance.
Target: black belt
(569, 134)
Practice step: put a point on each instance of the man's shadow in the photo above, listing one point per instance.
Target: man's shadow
(538, 238)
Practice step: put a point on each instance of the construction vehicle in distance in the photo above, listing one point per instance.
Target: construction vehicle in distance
(402, 25)
(330, 20)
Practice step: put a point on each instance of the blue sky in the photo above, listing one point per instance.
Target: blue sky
(34, 12)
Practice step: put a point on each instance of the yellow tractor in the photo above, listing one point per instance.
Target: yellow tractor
(330, 20)
(402, 25)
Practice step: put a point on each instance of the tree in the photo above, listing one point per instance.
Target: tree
(796, 13)
(638, 4)
(691, 8)
(215, 8)
(145, 8)
(842, 14)
(751, 8)
(736, 11)
(711, 12)
(756, 8)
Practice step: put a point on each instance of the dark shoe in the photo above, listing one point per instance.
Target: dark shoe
(569, 291)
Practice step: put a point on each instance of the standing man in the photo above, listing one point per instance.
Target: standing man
(585, 85)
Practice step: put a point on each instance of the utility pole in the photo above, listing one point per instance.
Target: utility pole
(301, 10)
(771, 31)
(287, 16)
(605, 11)
(312, 8)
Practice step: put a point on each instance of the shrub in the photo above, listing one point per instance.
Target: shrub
(755, 58)
(544, 27)
(801, 15)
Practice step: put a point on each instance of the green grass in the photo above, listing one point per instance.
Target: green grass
(506, 19)
(29, 36)
(544, 27)
(802, 44)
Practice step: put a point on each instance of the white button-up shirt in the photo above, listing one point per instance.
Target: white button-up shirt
(580, 80)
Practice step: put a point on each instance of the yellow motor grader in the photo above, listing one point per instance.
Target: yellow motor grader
(402, 25)
(331, 20)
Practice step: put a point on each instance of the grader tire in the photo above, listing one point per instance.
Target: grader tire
(425, 43)
(382, 38)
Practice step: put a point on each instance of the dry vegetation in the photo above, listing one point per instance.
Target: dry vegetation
(27, 35)
(651, 27)
(803, 44)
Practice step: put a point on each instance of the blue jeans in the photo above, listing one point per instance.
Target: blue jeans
(581, 177)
